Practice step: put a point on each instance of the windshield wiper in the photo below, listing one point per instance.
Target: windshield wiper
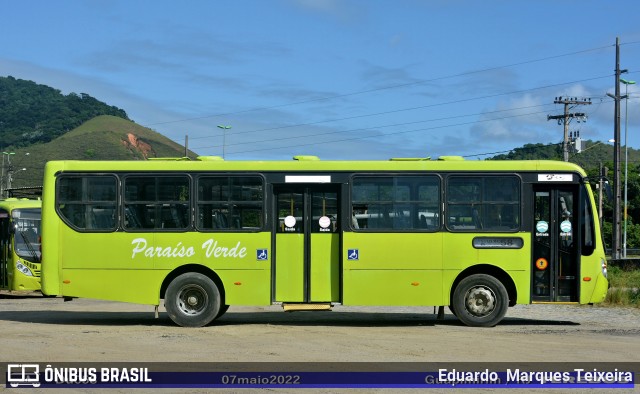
(36, 259)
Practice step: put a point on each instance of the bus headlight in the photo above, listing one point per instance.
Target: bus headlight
(603, 264)
(24, 269)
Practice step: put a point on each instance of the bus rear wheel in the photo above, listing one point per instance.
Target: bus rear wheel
(480, 300)
(222, 311)
(192, 300)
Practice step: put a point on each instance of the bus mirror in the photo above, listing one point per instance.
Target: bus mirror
(13, 228)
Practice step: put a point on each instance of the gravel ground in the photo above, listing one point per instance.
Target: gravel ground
(48, 330)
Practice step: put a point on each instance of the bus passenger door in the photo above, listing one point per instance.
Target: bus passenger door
(307, 244)
(555, 262)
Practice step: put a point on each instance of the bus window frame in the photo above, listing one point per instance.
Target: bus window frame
(64, 217)
(192, 201)
(475, 229)
(196, 204)
(122, 201)
(392, 175)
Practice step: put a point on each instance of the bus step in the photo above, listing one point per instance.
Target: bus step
(306, 307)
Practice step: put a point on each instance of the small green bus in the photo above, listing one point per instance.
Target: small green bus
(20, 244)
(307, 234)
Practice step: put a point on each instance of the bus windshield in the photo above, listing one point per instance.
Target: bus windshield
(27, 233)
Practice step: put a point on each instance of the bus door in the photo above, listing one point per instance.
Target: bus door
(307, 244)
(5, 248)
(555, 263)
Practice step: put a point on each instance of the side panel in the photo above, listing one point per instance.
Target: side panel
(131, 267)
(246, 287)
(392, 269)
(461, 254)
(113, 284)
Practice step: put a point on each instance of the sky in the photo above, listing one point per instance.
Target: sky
(351, 79)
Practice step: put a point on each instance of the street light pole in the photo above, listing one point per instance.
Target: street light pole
(626, 162)
(224, 136)
(5, 182)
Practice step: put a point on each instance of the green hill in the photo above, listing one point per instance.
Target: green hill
(31, 113)
(102, 138)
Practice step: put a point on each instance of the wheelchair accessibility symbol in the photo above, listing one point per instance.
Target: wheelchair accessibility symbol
(352, 254)
(262, 254)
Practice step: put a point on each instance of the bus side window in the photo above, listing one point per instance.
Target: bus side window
(131, 219)
(354, 222)
(102, 218)
(220, 220)
(172, 216)
(477, 220)
(74, 213)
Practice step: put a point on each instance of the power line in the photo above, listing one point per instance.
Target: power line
(403, 109)
(511, 150)
(388, 134)
(384, 126)
(424, 81)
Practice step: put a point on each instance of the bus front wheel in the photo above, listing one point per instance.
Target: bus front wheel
(192, 300)
(480, 300)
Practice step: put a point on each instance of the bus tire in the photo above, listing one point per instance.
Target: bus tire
(192, 300)
(480, 300)
(222, 311)
(452, 309)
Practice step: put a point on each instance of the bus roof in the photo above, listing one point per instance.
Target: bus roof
(10, 204)
(452, 163)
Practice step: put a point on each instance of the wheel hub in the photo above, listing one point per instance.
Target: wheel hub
(480, 301)
(192, 300)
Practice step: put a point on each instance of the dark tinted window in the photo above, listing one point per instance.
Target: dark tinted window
(230, 203)
(483, 203)
(88, 202)
(156, 202)
(404, 203)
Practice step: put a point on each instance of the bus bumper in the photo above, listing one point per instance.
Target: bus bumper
(599, 290)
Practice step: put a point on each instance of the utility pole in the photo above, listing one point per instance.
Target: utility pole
(5, 180)
(566, 117)
(617, 233)
(602, 173)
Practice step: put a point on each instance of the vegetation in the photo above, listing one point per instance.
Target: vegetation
(32, 113)
(625, 287)
(102, 138)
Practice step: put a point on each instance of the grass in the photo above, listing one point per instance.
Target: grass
(101, 138)
(625, 287)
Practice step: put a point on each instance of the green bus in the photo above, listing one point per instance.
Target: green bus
(309, 234)
(20, 244)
